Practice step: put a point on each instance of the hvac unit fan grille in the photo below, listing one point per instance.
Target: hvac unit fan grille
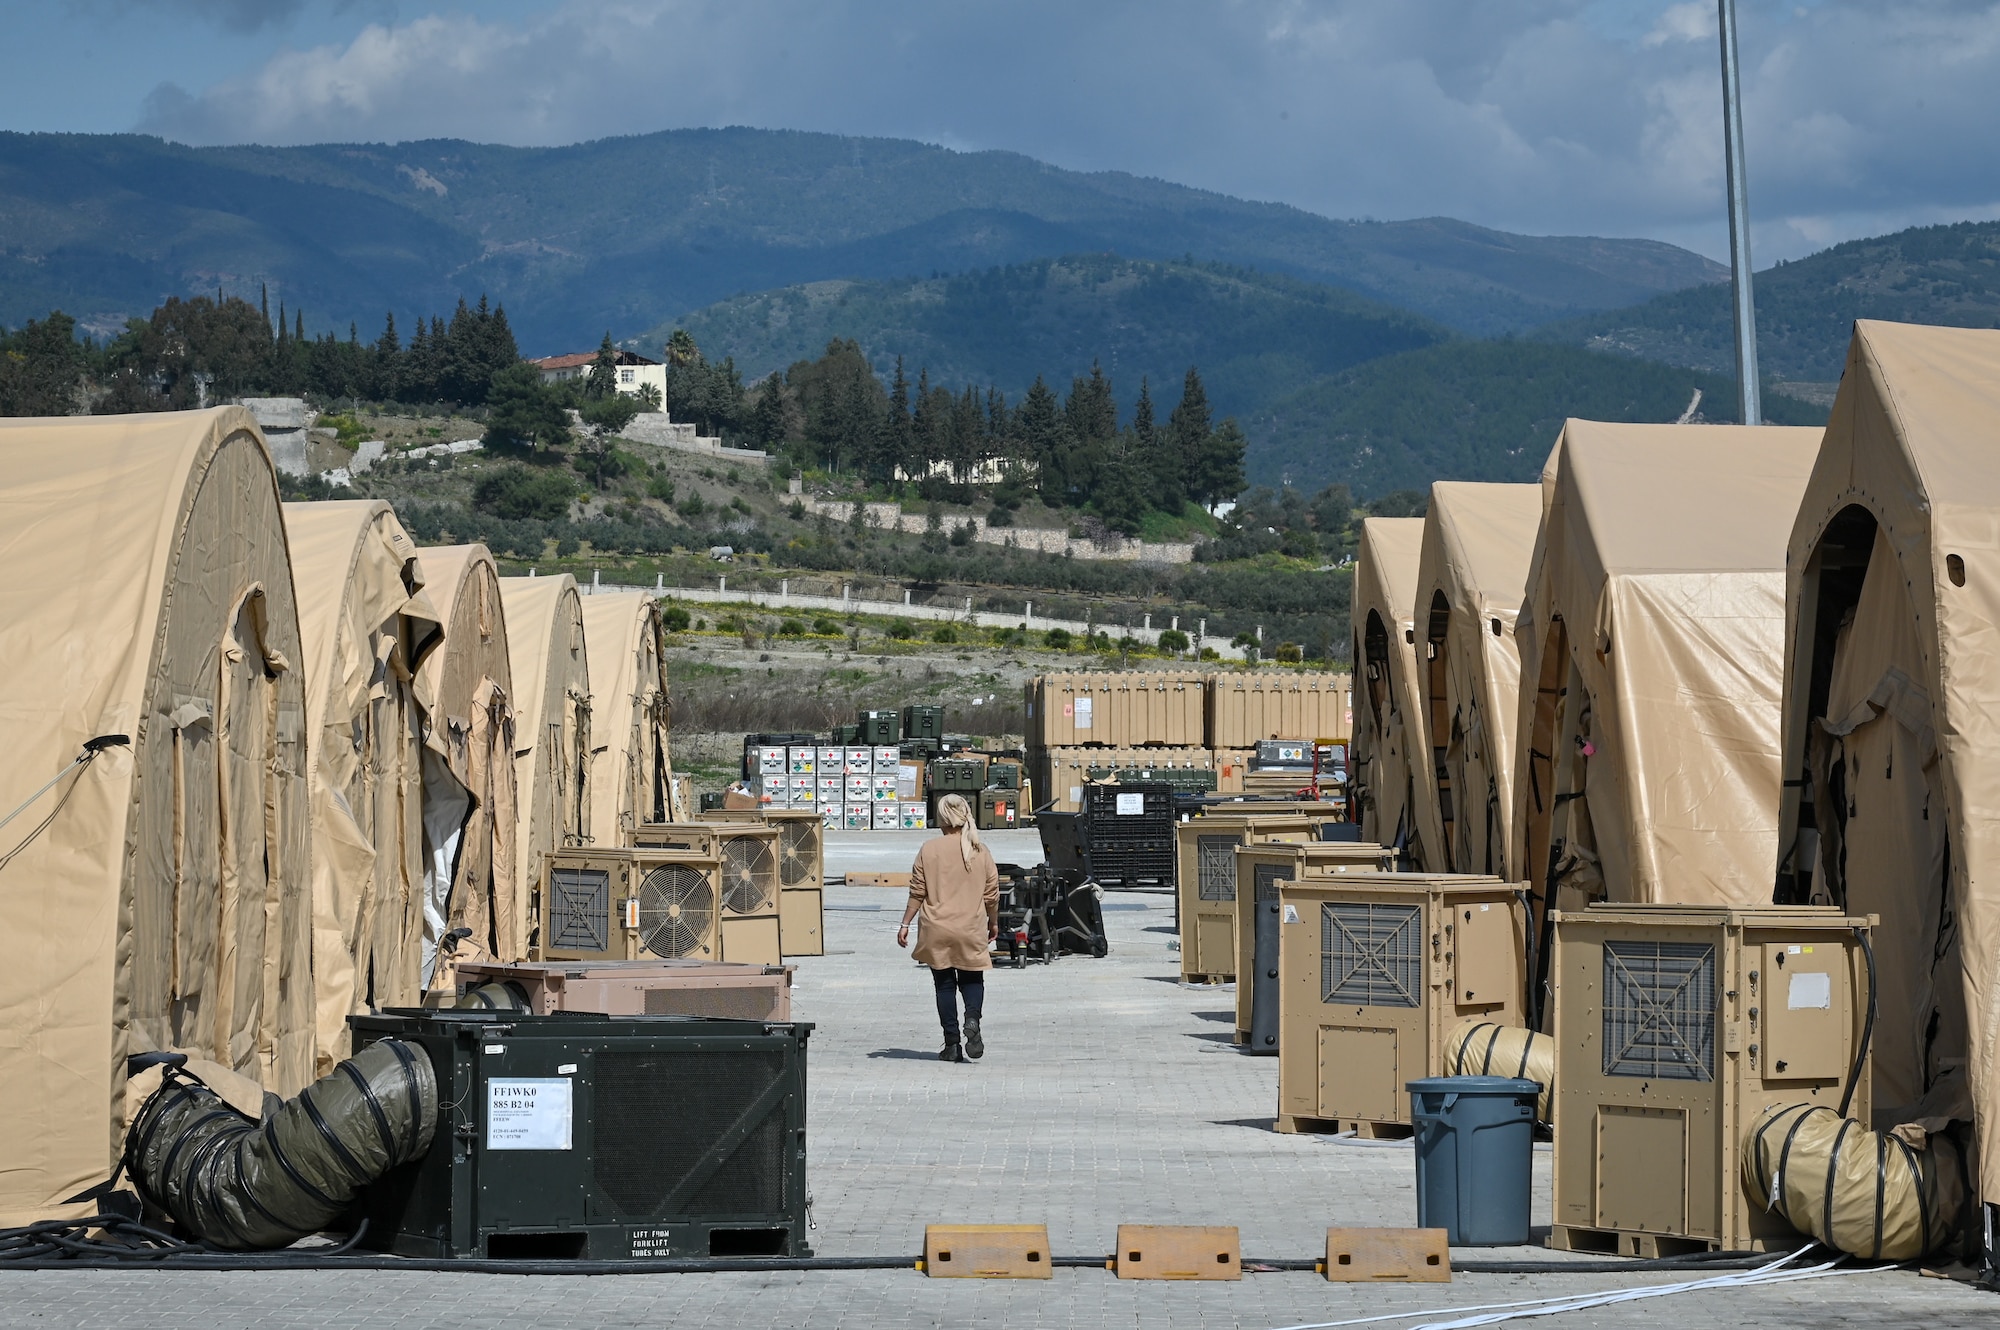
(749, 875)
(661, 1117)
(1371, 955)
(1215, 867)
(1659, 1010)
(580, 909)
(1268, 878)
(676, 911)
(798, 852)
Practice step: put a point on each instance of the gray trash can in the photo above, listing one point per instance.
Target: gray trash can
(1475, 1139)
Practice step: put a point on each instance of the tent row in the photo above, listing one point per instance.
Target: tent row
(1730, 666)
(295, 757)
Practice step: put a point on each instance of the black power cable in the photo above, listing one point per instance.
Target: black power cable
(1867, 1026)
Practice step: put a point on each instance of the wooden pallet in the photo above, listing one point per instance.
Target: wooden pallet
(1293, 1124)
(1616, 1242)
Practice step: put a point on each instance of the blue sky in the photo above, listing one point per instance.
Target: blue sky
(1548, 116)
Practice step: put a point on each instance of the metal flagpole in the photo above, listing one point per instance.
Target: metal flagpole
(1747, 394)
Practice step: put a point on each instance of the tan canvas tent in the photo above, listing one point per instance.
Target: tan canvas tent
(632, 771)
(161, 897)
(1393, 788)
(1652, 654)
(552, 726)
(466, 689)
(1892, 709)
(1478, 539)
(367, 627)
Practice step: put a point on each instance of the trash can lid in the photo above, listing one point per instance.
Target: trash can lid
(1497, 1085)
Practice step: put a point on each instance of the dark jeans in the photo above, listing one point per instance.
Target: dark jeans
(969, 984)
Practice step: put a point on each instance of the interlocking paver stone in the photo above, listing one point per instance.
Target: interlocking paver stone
(1109, 1094)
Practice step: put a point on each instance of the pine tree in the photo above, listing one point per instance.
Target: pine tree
(1046, 442)
(896, 435)
(603, 379)
(1188, 429)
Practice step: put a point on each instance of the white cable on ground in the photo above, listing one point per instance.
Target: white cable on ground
(1768, 1273)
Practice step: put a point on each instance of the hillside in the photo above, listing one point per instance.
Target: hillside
(1256, 337)
(1472, 411)
(1805, 310)
(626, 233)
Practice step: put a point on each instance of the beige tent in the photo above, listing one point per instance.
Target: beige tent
(466, 688)
(366, 626)
(632, 772)
(1478, 540)
(1652, 649)
(1892, 708)
(159, 898)
(552, 726)
(1394, 790)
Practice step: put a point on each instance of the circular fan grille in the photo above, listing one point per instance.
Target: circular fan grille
(749, 874)
(676, 911)
(798, 852)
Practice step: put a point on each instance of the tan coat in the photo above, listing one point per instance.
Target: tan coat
(955, 900)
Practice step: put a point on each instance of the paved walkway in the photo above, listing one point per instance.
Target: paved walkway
(1109, 1094)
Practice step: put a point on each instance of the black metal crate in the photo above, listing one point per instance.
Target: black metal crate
(578, 1135)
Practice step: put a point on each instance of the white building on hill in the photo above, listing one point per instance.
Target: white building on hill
(634, 370)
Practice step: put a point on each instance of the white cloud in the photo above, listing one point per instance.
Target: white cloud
(1593, 116)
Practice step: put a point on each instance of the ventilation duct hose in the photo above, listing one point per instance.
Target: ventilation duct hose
(238, 1184)
(1869, 1194)
(1482, 1048)
(495, 996)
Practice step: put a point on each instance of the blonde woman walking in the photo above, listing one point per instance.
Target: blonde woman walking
(955, 886)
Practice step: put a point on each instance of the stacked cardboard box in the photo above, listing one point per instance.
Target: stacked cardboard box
(1186, 728)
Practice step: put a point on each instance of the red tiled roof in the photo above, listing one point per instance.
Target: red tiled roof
(577, 360)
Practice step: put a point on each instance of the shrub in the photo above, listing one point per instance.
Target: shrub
(1289, 653)
(1210, 653)
(661, 488)
(791, 628)
(961, 535)
(825, 627)
(900, 630)
(692, 505)
(517, 492)
(674, 619)
(1004, 637)
(797, 512)
(945, 635)
(1174, 640)
(1058, 639)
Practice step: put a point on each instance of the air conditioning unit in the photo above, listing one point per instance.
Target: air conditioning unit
(631, 988)
(615, 905)
(589, 1137)
(750, 908)
(1374, 971)
(1676, 1026)
(801, 869)
(1205, 885)
(1260, 868)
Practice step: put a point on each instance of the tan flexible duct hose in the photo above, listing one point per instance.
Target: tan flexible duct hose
(233, 1182)
(1866, 1193)
(1482, 1048)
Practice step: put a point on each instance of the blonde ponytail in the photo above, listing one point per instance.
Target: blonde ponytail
(955, 814)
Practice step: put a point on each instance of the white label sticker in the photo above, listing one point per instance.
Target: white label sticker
(527, 1114)
(496, 1048)
(1131, 805)
(1809, 990)
(1484, 906)
(1291, 914)
(566, 1069)
(1083, 713)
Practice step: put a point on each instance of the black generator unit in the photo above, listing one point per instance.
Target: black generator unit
(580, 1136)
(1122, 837)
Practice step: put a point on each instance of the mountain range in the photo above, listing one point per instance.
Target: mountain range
(625, 233)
